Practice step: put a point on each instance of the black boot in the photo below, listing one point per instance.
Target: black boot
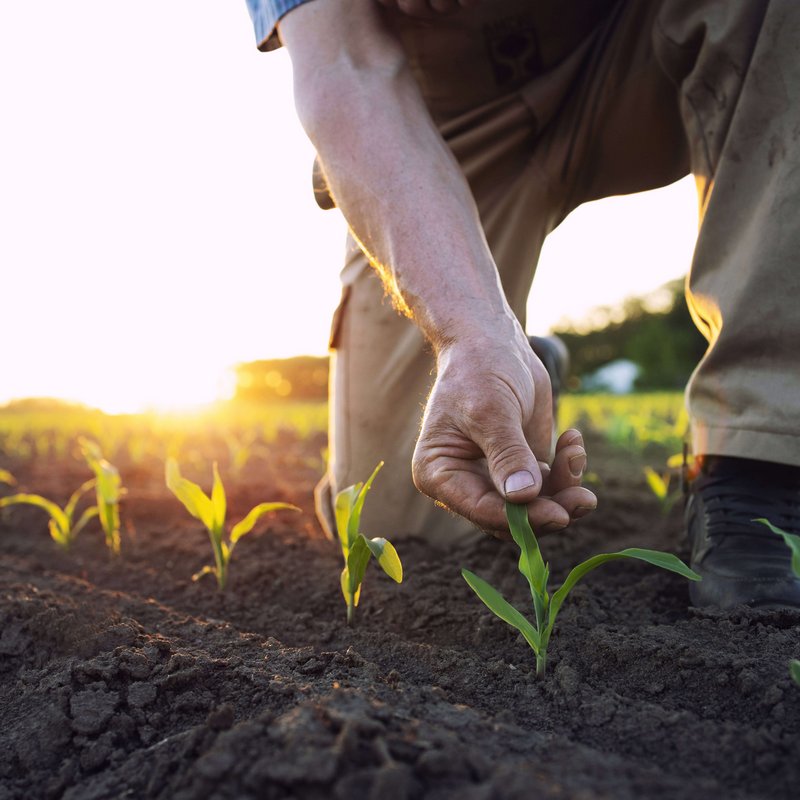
(742, 561)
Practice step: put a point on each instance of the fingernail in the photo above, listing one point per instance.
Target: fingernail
(577, 464)
(576, 439)
(552, 527)
(582, 511)
(519, 481)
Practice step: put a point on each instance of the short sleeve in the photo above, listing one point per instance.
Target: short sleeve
(265, 15)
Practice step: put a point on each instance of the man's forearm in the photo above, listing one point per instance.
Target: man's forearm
(397, 183)
(488, 419)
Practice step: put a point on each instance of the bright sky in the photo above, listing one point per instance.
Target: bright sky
(156, 220)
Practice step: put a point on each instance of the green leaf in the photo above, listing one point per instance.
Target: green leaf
(7, 478)
(794, 671)
(345, 584)
(345, 501)
(387, 557)
(60, 537)
(218, 501)
(357, 561)
(675, 461)
(499, 606)
(69, 508)
(531, 564)
(656, 558)
(89, 514)
(658, 486)
(207, 570)
(792, 542)
(247, 524)
(354, 522)
(194, 499)
(59, 518)
(108, 480)
(91, 450)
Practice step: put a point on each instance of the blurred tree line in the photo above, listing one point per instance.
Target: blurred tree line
(655, 331)
(300, 378)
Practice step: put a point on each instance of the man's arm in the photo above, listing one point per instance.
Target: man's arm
(409, 206)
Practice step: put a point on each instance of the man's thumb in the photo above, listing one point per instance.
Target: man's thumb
(513, 467)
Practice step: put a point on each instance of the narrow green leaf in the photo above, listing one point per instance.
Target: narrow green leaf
(59, 536)
(658, 559)
(792, 542)
(675, 461)
(357, 561)
(194, 499)
(387, 557)
(218, 501)
(658, 486)
(499, 606)
(108, 480)
(69, 508)
(345, 501)
(59, 518)
(345, 584)
(354, 523)
(247, 524)
(207, 570)
(666, 561)
(89, 514)
(7, 478)
(794, 671)
(531, 563)
(90, 449)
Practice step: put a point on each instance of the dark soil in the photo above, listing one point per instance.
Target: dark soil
(123, 678)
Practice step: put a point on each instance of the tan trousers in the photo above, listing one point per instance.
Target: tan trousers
(547, 105)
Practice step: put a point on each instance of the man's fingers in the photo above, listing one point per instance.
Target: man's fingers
(567, 469)
(465, 488)
(577, 501)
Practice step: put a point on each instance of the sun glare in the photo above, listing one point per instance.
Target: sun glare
(160, 388)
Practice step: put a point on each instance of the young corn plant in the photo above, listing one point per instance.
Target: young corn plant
(793, 543)
(63, 528)
(683, 466)
(537, 573)
(211, 511)
(108, 490)
(356, 548)
(659, 486)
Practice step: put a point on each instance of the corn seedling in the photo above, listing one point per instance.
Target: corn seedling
(793, 543)
(211, 511)
(241, 449)
(356, 548)
(108, 490)
(537, 573)
(62, 527)
(659, 484)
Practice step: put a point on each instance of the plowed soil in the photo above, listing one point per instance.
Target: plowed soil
(123, 678)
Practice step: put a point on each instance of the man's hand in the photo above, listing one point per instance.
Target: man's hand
(486, 438)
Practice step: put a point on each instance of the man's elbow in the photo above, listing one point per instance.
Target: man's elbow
(344, 57)
(346, 92)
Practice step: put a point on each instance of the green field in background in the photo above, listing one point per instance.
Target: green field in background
(630, 421)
